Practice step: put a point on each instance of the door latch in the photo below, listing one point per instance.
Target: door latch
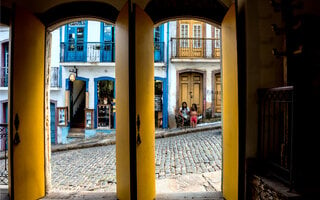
(138, 130)
(16, 139)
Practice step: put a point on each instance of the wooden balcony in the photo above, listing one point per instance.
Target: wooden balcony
(205, 48)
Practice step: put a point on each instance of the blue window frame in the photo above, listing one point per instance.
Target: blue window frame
(75, 45)
(158, 44)
(107, 40)
(53, 122)
(164, 101)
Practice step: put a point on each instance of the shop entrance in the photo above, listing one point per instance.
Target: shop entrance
(158, 106)
(105, 104)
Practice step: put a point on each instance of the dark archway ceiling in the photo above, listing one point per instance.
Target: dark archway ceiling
(212, 10)
(53, 11)
(80, 9)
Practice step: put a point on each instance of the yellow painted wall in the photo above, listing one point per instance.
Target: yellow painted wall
(28, 102)
(145, 105)
(122, 99)
(230, 106)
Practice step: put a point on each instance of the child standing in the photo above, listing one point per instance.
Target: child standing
(193, 116)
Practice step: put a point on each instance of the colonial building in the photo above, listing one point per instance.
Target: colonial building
(187, 51)
(194, 67)
(186, 68)
(82, 79)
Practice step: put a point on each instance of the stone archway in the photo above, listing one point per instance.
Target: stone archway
(22, 181)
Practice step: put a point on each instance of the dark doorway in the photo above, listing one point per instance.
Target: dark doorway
(77, 103)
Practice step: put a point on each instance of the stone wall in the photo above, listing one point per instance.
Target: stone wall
(260, 188)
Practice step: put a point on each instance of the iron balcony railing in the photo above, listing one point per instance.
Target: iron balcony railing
(55, 77)
(3, 154)
(208, 48)
(276, 132)
(158, 51)
(98, 52)
(87, 52)
(4, 77)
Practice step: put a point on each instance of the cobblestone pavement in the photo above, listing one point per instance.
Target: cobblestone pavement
(179, 159)
(187, 154)
(94, 169)
(90, 169)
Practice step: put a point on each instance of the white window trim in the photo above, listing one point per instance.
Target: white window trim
(217, 38)
(197, 43)
(184, 43)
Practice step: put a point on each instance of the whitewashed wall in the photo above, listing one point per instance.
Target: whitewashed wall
(4, 33)
(172, 78)
(94, 31)
(55, 48)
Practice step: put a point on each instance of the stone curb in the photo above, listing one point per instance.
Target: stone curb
(188, 130)
(83, 145)
(106, 142)
(113, 141)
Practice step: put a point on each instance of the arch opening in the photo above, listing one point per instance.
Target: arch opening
(81, 67)
(191, 57)
(54, 22)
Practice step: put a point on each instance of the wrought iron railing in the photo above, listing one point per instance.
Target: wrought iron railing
(4, 77)
(276, 133)
(195, 48)
(3, 154)
(55, 77)
(158, 51)
(98, 52)
(87, 52)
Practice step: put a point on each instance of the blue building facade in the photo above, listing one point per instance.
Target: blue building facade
(87, 50)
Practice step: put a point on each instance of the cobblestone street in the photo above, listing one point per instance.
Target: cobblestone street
(189, 162)
(94, 169)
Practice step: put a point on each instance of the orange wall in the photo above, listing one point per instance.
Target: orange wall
(28, 102)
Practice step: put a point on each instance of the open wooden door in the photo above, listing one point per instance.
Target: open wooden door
(230, 126)
(26, 107)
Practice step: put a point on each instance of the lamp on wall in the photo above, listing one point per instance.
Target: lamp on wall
(74, 74)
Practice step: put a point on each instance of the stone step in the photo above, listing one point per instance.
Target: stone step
(76, 135)
(76, 130)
